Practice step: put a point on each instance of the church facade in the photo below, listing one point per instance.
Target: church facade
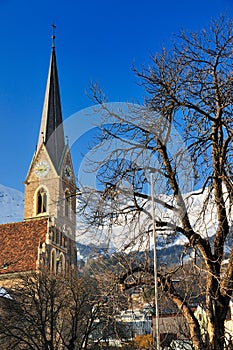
(46, 236)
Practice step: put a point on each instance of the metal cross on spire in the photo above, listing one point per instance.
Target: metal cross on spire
(53, 35)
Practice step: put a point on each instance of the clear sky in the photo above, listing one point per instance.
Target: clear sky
(96, 40)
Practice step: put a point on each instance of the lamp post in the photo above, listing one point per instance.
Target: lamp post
(156, 334)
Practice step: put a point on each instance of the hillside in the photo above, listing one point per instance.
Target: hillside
(11, 205)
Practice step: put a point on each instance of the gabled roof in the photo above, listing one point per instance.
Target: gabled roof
(51, 129)
(19, 244)
(46, 156)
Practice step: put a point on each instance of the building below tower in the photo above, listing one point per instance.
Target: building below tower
(46, 237)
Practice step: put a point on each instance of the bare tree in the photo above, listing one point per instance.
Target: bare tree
(183, 134)
(51, 312)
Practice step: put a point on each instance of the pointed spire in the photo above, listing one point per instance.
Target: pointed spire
(51, 129)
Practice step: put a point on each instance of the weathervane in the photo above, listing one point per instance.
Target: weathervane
(53, 34)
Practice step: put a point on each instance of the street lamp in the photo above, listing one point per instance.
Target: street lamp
(156, 334)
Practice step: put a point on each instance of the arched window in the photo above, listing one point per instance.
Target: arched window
(60, 262)
(53, 266)
(41, 201)
(67, 203)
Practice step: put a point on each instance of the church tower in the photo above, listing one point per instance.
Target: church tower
(50, 184)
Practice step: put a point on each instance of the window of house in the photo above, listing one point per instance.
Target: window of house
(41, 201)
(53, 266)
(60, 263)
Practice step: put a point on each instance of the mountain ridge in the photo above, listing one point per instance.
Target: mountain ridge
(11, 204)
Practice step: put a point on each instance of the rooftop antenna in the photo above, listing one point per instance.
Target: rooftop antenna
(53, 35)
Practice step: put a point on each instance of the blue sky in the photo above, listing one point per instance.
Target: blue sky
(95, 41)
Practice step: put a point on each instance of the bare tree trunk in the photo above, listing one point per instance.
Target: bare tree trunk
(189, 87)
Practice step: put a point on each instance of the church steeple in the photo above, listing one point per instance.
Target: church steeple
(50, 183)
(51, 129)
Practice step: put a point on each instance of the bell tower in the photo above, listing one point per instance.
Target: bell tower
(50, 185)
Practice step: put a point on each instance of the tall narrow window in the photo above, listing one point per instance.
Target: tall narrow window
(41, 201)
(53, 266)
(67, 203)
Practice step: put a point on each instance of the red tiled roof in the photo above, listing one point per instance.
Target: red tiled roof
(19, 243)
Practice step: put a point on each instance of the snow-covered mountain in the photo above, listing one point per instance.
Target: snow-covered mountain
(11, 205)
(12, 208)
(201, 211)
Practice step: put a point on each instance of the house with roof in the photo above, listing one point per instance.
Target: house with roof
(46, 236)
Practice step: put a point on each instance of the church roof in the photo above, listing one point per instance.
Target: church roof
(19, 244)
(51, 129)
